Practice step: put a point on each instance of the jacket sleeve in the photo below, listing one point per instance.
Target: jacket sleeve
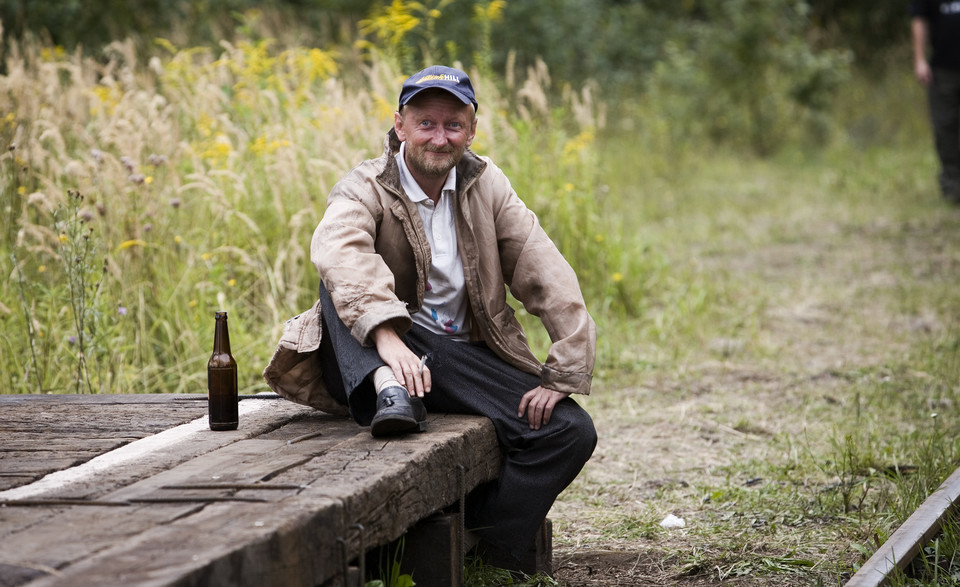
(342, 249)
(541, 279)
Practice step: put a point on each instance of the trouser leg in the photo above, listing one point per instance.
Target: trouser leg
(470, 379)
(537, 464)
(944, 98)
(346, 364)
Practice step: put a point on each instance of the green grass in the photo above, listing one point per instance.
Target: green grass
(804, 320)
(775, 335)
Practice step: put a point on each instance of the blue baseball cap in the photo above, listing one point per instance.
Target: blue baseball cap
(442, 77)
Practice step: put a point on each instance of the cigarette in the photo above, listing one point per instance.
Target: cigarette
(423, 361)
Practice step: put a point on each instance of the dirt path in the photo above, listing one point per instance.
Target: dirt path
(836, 304)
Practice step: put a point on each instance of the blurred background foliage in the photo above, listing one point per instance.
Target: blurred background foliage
(611, 41)
(730, 71)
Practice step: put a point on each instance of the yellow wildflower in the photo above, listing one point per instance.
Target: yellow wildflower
(492, 12)
(131, 243)
(617, 277)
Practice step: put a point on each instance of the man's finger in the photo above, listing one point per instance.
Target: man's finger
(427, 380)
(536, 413)
(524, 401)
(547, 412)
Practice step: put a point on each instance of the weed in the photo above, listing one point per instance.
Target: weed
(477, 574)
(390, 570)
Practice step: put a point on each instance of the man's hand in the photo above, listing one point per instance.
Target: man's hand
(537, 404)
(406, 366)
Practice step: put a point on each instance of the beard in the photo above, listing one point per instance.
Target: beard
(426, 162)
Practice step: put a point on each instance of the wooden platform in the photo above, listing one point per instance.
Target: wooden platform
(136, 490)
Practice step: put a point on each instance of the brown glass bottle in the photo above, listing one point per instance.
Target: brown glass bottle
(223, 401)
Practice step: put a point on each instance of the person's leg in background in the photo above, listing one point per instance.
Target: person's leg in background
(944, 97)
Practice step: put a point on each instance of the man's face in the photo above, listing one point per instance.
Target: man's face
(437, 128)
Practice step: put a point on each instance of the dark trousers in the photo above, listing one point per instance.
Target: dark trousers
(469, 378)
(944, 97)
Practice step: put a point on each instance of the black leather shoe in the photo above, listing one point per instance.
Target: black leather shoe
(398, 413)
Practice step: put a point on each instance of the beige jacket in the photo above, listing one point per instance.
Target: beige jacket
(372, 251)
(374, 257)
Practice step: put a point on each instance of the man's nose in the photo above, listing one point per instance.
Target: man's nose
(439, 136)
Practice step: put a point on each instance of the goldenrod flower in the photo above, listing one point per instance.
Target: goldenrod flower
(131, 243)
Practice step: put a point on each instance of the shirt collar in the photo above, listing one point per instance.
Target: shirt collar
(410, 185)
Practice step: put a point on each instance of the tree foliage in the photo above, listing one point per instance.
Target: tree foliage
(725, 68)
(609, 40)
(743, 71)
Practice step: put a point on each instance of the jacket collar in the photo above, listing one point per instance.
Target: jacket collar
(469, 169)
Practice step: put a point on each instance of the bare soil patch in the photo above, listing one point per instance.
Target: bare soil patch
(835, 305)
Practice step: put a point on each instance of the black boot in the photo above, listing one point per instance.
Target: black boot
(398, 413)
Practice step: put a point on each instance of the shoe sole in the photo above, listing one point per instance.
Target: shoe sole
(395, 426)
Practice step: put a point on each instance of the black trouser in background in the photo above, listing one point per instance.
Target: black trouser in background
(944, 97)
(468, 378)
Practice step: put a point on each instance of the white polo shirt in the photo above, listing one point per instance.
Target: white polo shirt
(444, 309)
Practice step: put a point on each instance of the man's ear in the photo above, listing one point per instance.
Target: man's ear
(398, 126)
(473, 131)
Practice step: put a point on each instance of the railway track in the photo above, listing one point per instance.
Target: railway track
(905, 543)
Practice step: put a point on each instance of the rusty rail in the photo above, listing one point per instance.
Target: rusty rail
(905, 543)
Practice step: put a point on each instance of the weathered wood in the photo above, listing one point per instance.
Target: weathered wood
(322, 494)
(80, 421)
(40, 434)
(431, 552)
(905, 543)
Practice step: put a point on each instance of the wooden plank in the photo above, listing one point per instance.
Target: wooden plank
(905, 543)
(328, 486)
(41, 401)
(431, 552)
(41, 434)
(274, 414)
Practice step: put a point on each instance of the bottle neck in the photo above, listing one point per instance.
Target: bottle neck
(221, 337)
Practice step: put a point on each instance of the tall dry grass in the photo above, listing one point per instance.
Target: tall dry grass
(199, 177)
